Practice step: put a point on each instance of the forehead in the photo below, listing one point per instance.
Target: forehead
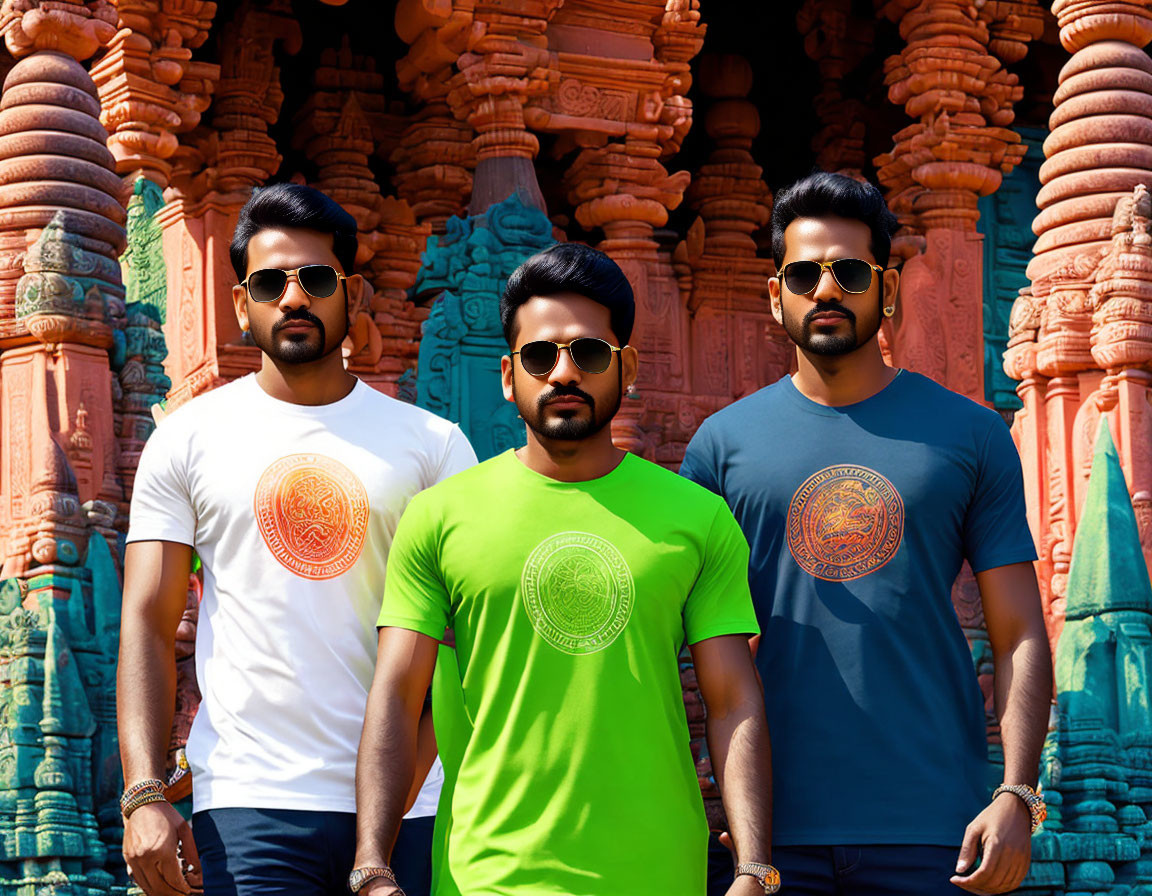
(824, 239)
(561, 318)
(288, 248)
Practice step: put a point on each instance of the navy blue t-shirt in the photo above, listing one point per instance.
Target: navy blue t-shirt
(859, 518)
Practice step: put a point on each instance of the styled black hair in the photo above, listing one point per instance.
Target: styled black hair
(823, 195)
(293, 205)
(570, 267)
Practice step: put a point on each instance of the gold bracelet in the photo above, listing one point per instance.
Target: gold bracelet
(150, 790)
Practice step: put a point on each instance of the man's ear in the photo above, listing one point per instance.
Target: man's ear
(506, 371)
(629, 365)
(240, 302)
(774, 299)
(359, 294)
(891, 279)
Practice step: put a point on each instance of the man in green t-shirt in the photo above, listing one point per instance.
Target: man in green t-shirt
(572, 574)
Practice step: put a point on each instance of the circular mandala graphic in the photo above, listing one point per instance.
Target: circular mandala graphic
(578, 592)
(313, 514)
(845, 522)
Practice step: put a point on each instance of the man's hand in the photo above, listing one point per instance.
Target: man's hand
(1002, 836)
(157, 841)
(745, 885)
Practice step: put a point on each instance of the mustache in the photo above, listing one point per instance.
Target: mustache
(823, 307)
(298, 315)
(564, 392)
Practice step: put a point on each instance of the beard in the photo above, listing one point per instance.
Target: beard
(828, 344)
(575, 426)
(298, 348)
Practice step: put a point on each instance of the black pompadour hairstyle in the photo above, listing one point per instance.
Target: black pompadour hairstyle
(293, 205)
(823, 195)
(570, 267)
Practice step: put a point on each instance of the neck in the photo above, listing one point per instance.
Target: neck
(568, 461)
(322, 381)
(836, 380)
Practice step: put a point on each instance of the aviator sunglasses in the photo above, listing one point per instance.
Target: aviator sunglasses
(588, 353)
(268, 284)
(853, 274)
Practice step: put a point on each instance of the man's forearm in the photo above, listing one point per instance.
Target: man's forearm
(741, 754)
(145, 700)
(384, 770)
(1023, 685)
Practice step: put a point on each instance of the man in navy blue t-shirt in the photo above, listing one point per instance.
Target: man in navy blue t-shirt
(862, 489)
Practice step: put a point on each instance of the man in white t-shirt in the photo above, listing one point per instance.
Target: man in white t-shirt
(288, 483)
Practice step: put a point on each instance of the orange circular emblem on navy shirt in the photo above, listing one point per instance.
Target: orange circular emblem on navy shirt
(845, 522)
(313, 514)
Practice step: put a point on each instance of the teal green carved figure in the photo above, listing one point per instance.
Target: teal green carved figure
(459, 364)
(1098, 767)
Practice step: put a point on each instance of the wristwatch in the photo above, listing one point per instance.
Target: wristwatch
(1037, 808)
(768, 876)
(360, 877)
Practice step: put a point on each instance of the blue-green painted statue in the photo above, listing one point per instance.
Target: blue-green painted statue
(1097, 771)
(459, 364)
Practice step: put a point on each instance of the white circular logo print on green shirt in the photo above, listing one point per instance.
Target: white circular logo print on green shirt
(578, 592)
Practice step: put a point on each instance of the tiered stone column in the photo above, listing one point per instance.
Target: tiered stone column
(960, 146)
(336, 132)
(1077, 333)
(62, 227)
(736, 345)
(838, 40)
(436, 157)
(214, 171)
(150, 89)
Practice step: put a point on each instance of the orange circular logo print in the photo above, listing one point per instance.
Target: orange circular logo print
(845, 522)
(313, 514)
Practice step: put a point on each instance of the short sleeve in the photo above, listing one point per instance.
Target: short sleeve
(415, 596)
(720, 602)
(161, 498)
(458, 455)
(996, 525)
(699, 462)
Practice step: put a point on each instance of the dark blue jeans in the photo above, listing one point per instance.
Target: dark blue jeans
(284, 852)
(854, 870)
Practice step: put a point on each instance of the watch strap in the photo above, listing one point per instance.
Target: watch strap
(1037, 808)
(768, 876)
(361, 877)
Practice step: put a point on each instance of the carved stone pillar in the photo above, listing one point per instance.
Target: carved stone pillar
(148, 83)
(736, 345)
(214, 171)
(506, 63)
(949, 79)
(335, 129)
(839, 41)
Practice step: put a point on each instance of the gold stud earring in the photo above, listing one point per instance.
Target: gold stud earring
(889, 310)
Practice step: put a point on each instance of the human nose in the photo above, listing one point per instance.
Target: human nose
(294, 295)
(827, 289)
(565, 370)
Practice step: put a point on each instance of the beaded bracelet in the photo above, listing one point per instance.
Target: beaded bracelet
(150, 790)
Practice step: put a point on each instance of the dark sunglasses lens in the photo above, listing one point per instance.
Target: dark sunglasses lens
(318, 280)
(591, 355)
(801, 277)
(853, 274)
(267, 285)
(538, 358)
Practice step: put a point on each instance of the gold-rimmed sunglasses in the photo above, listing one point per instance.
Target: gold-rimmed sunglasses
(590, 354)
(268, 284)
(853, 274)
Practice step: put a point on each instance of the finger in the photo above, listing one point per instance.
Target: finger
(983, 879)
(726, 841)
(168, 878)
(969, 849)
(195, 874)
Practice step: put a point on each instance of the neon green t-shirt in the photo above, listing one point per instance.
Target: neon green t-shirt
(570, 766)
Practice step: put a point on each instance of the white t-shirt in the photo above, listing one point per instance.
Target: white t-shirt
(291, 509)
